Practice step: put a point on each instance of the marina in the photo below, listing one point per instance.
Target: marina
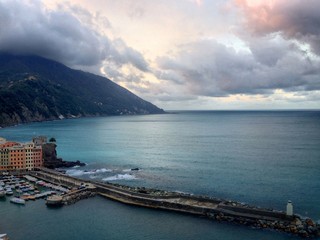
(26, 187)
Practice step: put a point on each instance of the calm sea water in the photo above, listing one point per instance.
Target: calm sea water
(262, 158)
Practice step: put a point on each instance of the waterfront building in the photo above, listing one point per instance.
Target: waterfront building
(20, 156)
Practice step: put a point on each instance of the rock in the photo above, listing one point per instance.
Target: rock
(293, 229)
(309, 222)
(52, 161)
(297, 221)
(311, 229)
(300, 227)
(272, 225)
(303, 233)
(281, 226)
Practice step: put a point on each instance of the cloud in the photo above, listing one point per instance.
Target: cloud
(122, 54)
(67, 33)
(195, 49)
(30, 28)
(270, 50)
(209, 68)
(197, 2)
(294, 19)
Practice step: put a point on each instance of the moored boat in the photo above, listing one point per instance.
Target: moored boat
(25, 196)
(9, 191)
(32, 197)
(4, 236)
(17, 200)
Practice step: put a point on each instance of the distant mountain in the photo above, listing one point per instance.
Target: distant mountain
(37, 89)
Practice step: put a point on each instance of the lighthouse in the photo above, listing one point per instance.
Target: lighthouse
(289, 208)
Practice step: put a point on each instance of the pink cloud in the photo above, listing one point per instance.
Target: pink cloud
(294, 19)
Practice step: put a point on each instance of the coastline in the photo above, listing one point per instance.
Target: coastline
(160, 113)
(76, 117)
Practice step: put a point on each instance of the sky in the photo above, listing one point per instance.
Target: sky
(180, 54)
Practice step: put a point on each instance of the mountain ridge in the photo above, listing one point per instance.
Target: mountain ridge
(33, 88)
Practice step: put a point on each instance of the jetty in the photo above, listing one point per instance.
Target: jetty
(213, 208)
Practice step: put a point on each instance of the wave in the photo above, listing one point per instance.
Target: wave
(103, 170)
(181, 192)
(120, 177)
(131, 169)
(76, 172)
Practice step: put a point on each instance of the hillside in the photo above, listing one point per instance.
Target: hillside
(37, 89)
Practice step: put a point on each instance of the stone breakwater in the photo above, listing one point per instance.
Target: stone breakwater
(213, 208)
(77, 196)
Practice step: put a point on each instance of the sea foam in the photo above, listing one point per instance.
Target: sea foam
(120, 177)
(76, 172)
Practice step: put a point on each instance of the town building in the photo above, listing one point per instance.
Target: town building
(21, 156)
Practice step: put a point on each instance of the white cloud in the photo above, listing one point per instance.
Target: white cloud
(208, 68)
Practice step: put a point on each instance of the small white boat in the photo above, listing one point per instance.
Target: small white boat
(4, 236)
(9, 191)
(17, 200)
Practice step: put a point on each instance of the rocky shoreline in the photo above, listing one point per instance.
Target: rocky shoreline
(51, 161)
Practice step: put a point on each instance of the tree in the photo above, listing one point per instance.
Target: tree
(52, 140)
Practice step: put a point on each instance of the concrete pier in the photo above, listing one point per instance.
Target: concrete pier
(214, 208)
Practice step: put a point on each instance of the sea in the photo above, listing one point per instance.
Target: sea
(262, 158)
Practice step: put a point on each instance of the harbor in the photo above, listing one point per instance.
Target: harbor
(22, 188)
(213, 208)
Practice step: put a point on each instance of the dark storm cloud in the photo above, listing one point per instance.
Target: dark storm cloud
(294, 19)
(208, 68)
(27, 27)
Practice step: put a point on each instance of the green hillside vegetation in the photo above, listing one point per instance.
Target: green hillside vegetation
(37, 89)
